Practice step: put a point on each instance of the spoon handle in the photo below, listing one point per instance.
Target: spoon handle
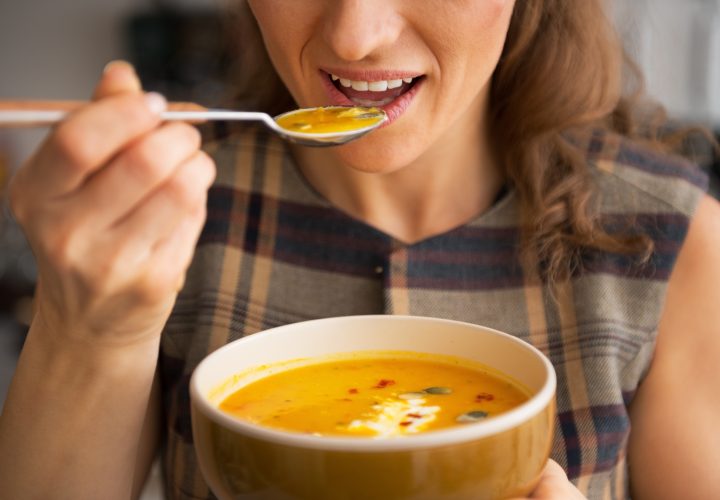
(43, 113)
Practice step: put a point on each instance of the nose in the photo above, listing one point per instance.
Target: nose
(355, 29)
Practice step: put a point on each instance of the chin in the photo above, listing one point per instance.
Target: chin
(378, 154)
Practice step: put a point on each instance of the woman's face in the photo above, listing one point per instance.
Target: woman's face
(426, 62)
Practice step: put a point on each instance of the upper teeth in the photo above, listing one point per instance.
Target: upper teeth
(378, 86)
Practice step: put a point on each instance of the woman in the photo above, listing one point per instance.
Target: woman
(504, 191)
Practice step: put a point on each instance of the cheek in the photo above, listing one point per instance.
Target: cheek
(473, 35)
(492, 15)
(480, 40)
(469, 52)
(496, 8)
(284, 31)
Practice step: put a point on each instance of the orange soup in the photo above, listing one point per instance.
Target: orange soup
(331, 119)
(376, 397)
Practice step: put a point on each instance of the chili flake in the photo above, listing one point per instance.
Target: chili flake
(383, 383)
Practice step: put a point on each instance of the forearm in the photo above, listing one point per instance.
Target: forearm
(73, 416)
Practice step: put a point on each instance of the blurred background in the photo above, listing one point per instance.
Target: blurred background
(55, 49)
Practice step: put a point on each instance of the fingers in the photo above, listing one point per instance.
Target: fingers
(138, 171)
(113, 204)
(182, 195)
(172, 257)
(554, 483)
(554, 476)
(88, 139)
(118, 77)
(133, 258)
(92, 135)
(151, 275)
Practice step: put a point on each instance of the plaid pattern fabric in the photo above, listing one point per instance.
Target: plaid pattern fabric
(274, 252)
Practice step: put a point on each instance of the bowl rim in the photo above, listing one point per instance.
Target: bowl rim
(431, 439)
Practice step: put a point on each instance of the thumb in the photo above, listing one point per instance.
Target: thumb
(554, 484)
(119, 77)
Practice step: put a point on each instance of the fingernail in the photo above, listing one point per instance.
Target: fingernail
(117, 64)
(155, 102)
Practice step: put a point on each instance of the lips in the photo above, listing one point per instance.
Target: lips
(393, 92)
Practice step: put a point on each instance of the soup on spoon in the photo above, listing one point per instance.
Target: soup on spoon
(328, 126)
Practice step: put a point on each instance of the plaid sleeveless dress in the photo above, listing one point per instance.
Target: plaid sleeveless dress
(275, 252)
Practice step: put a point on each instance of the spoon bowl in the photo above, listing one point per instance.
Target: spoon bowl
(328, 126)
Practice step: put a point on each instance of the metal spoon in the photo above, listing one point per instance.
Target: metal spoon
(28, 114)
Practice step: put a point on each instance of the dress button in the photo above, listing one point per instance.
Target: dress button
(378, 269)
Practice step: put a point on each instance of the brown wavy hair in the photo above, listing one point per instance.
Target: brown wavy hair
(563, 70)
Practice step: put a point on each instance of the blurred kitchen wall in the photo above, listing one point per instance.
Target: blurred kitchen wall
(677, 44)
(56, 49)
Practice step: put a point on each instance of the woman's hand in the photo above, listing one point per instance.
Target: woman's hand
(112, 205)
(554, 485)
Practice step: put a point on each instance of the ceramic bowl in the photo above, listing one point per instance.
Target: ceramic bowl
(497, 458)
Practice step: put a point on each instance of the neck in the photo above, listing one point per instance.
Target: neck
(452, 182)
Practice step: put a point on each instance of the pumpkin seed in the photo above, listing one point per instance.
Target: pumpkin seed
(438, 390)
(471, 416)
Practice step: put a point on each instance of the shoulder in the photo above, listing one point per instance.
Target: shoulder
(694, 288)
(634, 176)
(684, 377)
(641, 192)
(689, 329)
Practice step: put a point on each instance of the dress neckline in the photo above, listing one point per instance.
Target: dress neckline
(491, 217)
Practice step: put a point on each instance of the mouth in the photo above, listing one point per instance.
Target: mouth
(391, 92)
